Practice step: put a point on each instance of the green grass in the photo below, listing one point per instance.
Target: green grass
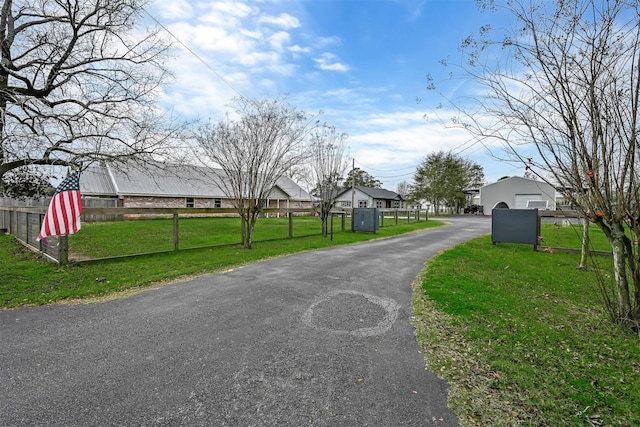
(25, 279)
(104, 239)
(519, 335)
(109, 239)
(571, 237)
(522, 338)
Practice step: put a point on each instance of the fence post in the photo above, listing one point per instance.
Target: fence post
(63, 249)
(408, 216)
(396, 215)
(290, 215)
(332, 215)
(28, 228)
(175, 232)
(40, 243)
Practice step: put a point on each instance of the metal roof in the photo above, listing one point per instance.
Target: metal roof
(379, 193)
(94, 181)
(375, 193)
(165, 180)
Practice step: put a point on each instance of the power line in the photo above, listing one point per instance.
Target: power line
(386, 170)
(235, 89)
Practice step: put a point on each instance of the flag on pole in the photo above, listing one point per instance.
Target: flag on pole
(63, 214)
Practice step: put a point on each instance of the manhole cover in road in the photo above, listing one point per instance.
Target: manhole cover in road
(353, 313)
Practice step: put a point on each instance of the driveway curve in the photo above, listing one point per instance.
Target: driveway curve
(321, 338)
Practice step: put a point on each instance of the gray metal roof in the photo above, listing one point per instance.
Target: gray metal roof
(94, 181)
(165, 180)
(375, 193)
(379, 193)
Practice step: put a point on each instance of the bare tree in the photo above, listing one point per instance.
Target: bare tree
(403, 188)
(78, 83)
(565, 100)
(267, 140)
(328, 163)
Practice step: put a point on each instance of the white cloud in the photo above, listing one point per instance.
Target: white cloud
(322, 42)
(264, 48)
(232, 8)
(210, 38)
(296, 49)
(279, 39)
(283, 20)
(390, 145)
(173, 9)
(255, 58)
(327, 61)
(232, 16)
(282, 69)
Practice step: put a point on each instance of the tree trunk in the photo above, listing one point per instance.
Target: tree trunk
(585, 244)
(251, 225)
(249, 236)
(243, 221)
(325, 212)
(325, 227)
(620, 272)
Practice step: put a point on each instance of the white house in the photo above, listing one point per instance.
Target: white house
(517, 193)
(367, 197)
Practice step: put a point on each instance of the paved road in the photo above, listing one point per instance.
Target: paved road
(321, 338)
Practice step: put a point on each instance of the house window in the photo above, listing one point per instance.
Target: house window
(362, 203)
(345, 204)
(396, 204)
(217, 203)
(190, 202)
(379, 204)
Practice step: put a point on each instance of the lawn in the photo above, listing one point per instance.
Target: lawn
(25, 279)
(522, 338)
(519, 335)
(110, 239)
(104, 239)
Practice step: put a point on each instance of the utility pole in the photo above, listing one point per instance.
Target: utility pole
(353, 190)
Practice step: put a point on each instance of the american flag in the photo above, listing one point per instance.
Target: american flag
(63, 214)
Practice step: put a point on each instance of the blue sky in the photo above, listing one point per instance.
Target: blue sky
(362, 62)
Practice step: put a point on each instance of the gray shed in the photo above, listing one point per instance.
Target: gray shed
(518, 193)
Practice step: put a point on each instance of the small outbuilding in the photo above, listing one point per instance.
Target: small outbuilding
(517, 193)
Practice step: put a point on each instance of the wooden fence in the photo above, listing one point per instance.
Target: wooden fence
(24, 222)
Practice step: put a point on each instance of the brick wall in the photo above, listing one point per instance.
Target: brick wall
(181, 202)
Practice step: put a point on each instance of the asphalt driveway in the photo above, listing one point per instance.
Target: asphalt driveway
(321, 338)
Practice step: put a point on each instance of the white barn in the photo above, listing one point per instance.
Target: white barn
(517, 193)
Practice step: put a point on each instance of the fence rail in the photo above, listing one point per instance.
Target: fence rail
(24, 223)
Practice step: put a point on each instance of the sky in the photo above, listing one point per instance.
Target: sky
(363, 63)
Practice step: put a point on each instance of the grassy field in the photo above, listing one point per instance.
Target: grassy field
(571, 236)
(27, 280)
(104, 239)
(519, 335)
(522, 338)
(108, 239)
